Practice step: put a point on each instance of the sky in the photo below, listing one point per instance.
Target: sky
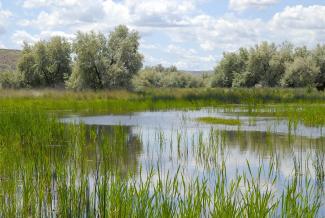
(190, 34)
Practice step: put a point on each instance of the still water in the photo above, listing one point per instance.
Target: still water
(174, 141)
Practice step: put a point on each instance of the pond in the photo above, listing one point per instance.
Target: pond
(174, 141)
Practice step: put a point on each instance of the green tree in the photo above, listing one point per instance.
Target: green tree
(26, 66)
(91, 61)
(42, 63)
(278, 63)
(259, 64)
(301, 72)
(59, 54)
(232, 64)
(45, 63)
(319, 57)
(125, 60)
(105, 62)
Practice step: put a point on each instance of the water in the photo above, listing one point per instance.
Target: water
(187, 120)
(174, 140)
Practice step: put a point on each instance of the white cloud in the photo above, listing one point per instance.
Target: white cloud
(189, 58)
(35, 3)
(300, 17)
(4, 17)
(20, 36)
(240, 5)
(196, 38)
(46, 3)
(72, 16)
(159, 13)
(299, 24)
(104, 14)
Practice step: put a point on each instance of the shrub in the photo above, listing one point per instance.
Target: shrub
(300, 73)
(11, 79)
(151, 78)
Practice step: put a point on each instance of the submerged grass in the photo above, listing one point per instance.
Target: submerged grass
(216, 120)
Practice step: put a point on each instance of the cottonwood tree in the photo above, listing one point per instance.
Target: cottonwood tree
(270, 66)
(278, 63)
(59, 55)
(125, 60)
(46, 63)
(259, 64)
(301, 72)
(231, 65)
(105, 62)
(26, 67)
(319, 57)
(91, 61)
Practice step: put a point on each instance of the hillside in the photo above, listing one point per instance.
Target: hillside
(8, 59)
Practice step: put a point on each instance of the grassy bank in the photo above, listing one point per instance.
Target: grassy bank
(298, 105)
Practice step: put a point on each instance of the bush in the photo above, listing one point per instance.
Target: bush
(11, 79)
(300, 73)
(151, 78)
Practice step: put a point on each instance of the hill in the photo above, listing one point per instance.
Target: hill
(8, 59)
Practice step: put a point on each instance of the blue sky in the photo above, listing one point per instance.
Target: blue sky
(191, 34)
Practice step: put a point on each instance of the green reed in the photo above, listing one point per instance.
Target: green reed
(51, 169)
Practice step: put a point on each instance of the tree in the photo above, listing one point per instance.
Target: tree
(259, 64)
(59, 54)
(125, 60)
(26, 65)
(91, 61)
(231, 64)
(45, 63)
(300, 73)
(319, 57)
(302, 52)
(278, 63)
(42, 63)
(105, 62)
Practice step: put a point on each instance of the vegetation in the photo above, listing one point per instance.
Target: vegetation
(46, 64)
(54, 167)
(105, 62)
(48, 168)
(216, 120)
(94, 61)
(160, 77)
(12, 80)
(269, 65)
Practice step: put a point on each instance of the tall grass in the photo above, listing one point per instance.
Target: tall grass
(51, 169)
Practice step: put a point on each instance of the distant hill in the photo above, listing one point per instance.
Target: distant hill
(8, 59)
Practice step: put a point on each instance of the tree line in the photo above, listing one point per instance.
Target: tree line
(91, 61)
(269, 65)
(95, 61)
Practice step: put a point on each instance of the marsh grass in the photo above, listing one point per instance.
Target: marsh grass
(51, 169)
(216, 120)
